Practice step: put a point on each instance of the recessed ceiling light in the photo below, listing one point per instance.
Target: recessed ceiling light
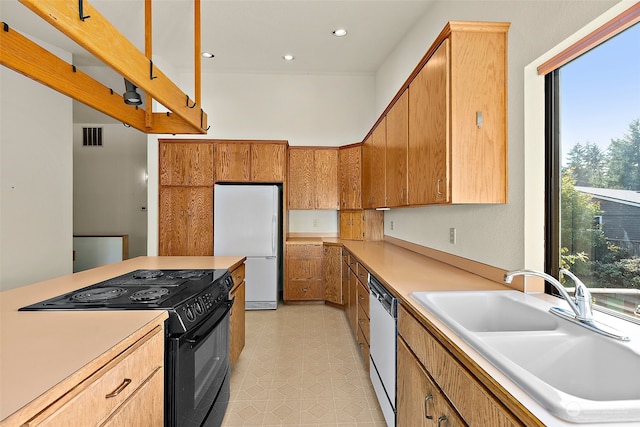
(288, 57)
(340, 32)
(207, 55)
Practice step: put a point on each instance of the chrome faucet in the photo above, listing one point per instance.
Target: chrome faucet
(581, 305)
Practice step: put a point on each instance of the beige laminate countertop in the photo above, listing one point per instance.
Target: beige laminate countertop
(40, 350)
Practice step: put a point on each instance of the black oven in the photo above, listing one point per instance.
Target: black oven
(197, 373)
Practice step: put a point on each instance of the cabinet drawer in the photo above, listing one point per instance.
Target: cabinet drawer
(474, 403)
(364, 347)
(304, 251)
(304, 269)
(363, 298)
(363, 324)
(305, 289)
(362, 273)
(238, 275)
(100, 394)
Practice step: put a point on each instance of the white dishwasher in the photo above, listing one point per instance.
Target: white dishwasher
(383, 309)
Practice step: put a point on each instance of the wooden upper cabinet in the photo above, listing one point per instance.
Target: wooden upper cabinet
(301, 179)
(268, 162)
(350, 163)
(326, 178)
(458, 116)
(374, 167)
(396, 152)
(429, 131)
(233, 162)
(186, 163)
(313, 178)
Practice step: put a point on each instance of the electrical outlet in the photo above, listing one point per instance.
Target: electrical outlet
(316, 222)
(391, 225)
(452, 235)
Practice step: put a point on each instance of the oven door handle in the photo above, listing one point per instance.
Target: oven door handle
(195, 340)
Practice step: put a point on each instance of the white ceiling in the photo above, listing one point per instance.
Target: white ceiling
(249, 35)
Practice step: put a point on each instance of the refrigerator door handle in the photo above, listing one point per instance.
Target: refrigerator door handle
(274, 231)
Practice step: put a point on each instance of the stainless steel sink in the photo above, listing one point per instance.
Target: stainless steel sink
(576, 374)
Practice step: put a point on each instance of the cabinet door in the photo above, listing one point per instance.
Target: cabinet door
(237, 323)
(300, 179)
(429, 131)
(374, 168)
(397, 144)
(173, 214)
(186, 163)
(350, 165)
(420, 402)
(326, 178)
(268, 162)
(352, 308)
(332, 274)
(233, 162)
(200, 222)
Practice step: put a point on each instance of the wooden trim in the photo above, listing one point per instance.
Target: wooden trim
(484, 270)
(222, 141)
(28, 58)
(615, 26)
(99, 37)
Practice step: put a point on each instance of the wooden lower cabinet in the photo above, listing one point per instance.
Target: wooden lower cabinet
(303, 266)
(128, 387)
(420, 402)
(332, 274)
(471, 400)
(237, 322)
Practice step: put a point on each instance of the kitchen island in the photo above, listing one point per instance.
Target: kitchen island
(45, 355)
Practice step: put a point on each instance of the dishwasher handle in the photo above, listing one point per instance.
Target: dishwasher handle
(383, 296)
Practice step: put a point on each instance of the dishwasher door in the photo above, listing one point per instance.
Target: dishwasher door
(383, 349)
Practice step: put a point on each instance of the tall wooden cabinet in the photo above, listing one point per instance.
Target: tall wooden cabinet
(396, 158)
(313, 178)
(350, 164)
(186, 221)
(457, 118)
(332, 274)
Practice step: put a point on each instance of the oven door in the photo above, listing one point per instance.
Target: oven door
(197, 384)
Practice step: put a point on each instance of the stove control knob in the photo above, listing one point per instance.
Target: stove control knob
(198, 306)
(191, 316)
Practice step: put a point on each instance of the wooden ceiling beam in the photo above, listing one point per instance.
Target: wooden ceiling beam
(26, 57)
(99, 37)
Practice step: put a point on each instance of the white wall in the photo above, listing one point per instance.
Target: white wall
(35, 180)
(492, 234)
(109, 187)
(329, 110)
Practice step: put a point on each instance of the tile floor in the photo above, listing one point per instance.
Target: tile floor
(301, 366)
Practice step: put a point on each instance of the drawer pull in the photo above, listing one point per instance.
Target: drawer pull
(120, 388)
(361, 297)
(443, 419)
(426, 407)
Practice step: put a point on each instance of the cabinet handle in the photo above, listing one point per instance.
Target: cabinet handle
(426, 407)
(361, 297)
(120, 388)
(305, 289)
(438, 191)
(443, 419)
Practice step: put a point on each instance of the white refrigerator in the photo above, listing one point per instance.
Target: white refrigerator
(246, 222)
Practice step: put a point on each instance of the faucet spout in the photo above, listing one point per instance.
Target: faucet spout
(508, 277)
(582, 297)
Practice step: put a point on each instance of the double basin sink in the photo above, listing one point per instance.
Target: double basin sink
(576, 374)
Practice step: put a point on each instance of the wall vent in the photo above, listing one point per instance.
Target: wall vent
(92, 137)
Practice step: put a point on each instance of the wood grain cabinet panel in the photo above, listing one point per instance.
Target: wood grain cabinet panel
(126, 380)
(471, 400)
(143, 408)
(186, 163)
(396, 170)
(313, 178)
(374, 167)
(419, 401)
(332, 274)
(350, 165)
(361, 225)
(237, 321)
(457, 118)
(233, 162)
(303, 273)
(268, 162)
(186, 221)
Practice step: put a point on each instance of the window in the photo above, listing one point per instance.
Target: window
(593, 171)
